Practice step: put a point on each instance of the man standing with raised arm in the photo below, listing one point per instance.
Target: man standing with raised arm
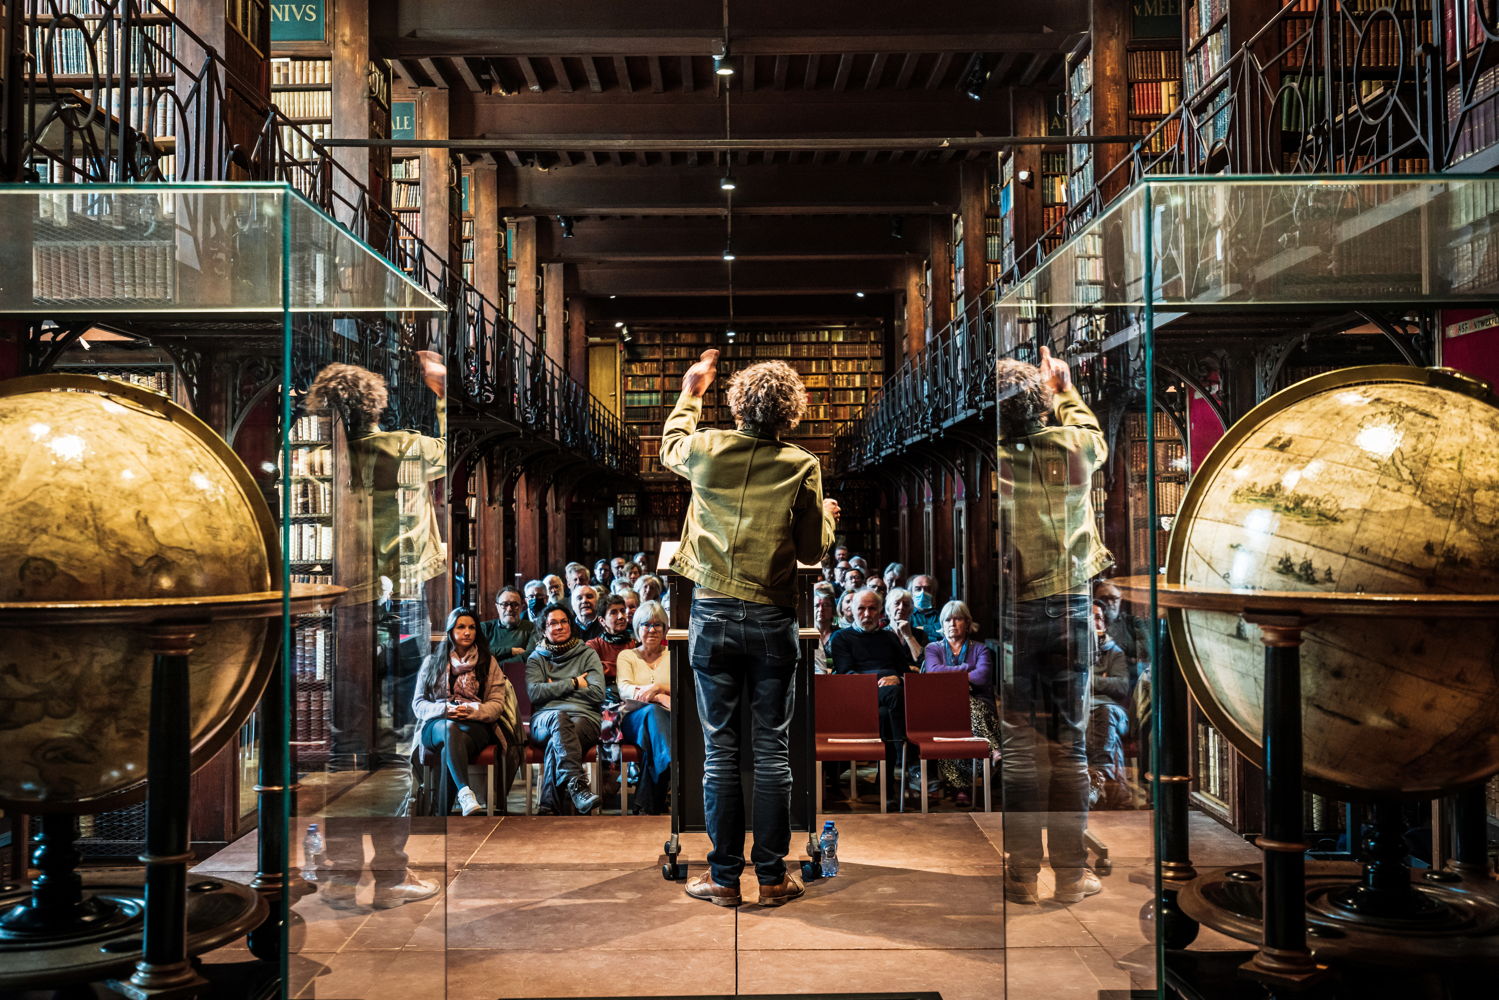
(757, 510)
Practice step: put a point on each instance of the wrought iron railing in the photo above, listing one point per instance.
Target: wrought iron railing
(123, 91)
(1324, 87)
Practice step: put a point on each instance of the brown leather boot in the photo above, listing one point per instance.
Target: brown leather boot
(783, 891)
(703, 887)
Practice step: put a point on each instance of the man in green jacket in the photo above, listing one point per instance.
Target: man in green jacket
(1050, 444)
(757, 510)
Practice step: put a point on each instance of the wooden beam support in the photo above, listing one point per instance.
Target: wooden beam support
(554, 313)
(559, 70)
(527, 275)
(467, 75)
(622, 74)
(876, 70)
(591, 70)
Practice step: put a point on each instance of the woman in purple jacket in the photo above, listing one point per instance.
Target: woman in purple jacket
(959, 650)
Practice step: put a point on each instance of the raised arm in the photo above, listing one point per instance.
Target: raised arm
(676, 436)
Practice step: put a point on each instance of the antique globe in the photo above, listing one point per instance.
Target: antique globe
(1374, 480)
(110, 493)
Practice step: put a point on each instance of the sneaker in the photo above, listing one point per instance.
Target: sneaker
(1074, 884)
(703, 887)
(467, 802)
(584, 800)
(784, 891)
(408, 890)
(1021, 890)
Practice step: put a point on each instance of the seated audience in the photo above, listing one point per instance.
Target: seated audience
(1130, 632)
(556, 592)
(825, 620)
(632, 602)
(649, 587)
(510, 635)
(894, 573)
(601, 574)
(645, 685)
(898, 609)
(861, 564)
(536, 600)
(585, 622)
(840, 553)
(634, 571)
(867, 648)
(877, 584)
(643, 559)
(566, 683)
(958, 649)
(845, 609)
(464, 703)
(853, 579)
(924, 594)
(615, 637)
(617, 568)
(576, 575)
(1108, 719)
(620, 586)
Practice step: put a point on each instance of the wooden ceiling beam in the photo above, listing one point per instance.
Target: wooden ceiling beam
(559, 70)
(693, 278)
(466, 73)
(658, 85)
(528, 70)
(622, 74)
(591, 71)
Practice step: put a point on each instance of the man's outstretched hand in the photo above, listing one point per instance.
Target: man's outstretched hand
(1055, 374)
(695, 380)
(434, 372)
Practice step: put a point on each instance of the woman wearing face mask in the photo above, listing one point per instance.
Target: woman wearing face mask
(958, 650)
(464, 703)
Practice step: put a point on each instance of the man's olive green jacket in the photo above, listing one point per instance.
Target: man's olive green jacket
(756, 508)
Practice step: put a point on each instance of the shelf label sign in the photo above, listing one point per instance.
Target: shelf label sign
(403, 119)
(1155, 18)
(302, 21)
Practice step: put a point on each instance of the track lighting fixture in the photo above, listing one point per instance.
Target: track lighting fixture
(976, 77)
(858, 295)
(897, 227)
(726, 183)
(565, 222)
(729, 334)
(724, 65)
(728, 253)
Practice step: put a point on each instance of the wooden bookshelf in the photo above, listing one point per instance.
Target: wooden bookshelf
(406, 204)
(1154, 67)
(466, 229)
(1080, 157)
(302, 87)
(999, 218)
(843, 367)
(957, 254)
(1053, 196)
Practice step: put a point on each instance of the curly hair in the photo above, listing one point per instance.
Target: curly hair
(356, 394)
(768, 396)
(1024, 400)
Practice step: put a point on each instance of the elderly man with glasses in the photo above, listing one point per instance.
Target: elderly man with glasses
(510, 634)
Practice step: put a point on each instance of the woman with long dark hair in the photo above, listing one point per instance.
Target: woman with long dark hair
(464, 703)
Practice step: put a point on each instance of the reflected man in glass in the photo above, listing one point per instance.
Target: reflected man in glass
(1050, 444)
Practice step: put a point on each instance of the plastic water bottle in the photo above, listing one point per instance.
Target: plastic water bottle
(312, 852)
(829, 842)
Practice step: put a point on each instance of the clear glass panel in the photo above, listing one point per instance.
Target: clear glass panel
(1077, 756)
(179, 248)
(366, 475)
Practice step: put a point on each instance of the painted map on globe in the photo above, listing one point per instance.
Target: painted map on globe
(1381, 487)
(112, 494)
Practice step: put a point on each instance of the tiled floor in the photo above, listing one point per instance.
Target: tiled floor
(576, 906)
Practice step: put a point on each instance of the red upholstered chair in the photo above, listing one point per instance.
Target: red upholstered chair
(431, 762)
(938, 722)
(516, 671)
(848, 726)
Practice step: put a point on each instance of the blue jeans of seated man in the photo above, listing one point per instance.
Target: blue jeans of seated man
(1042, 723)
(735, 647)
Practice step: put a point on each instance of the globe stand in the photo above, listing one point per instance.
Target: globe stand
(1353, 912)
(56, 935)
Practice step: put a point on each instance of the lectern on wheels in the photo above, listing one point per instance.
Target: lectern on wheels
(688, 754)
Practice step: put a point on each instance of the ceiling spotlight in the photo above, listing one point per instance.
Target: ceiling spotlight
(728, 253)
(897, 227)
(624, 334)
(565, 222)
(726, 183)
(619, 322)
(724, 65)
(976, 77)
(729, 334)
(858, 295)
(614, 296)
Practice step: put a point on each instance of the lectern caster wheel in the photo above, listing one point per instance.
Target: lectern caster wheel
(674, 871)
(811, 870)
(1103, 866)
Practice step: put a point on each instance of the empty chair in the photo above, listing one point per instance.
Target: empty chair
(848, 726)
(938, 724)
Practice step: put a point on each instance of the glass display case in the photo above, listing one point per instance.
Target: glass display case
(1209, 585)
(237, 525)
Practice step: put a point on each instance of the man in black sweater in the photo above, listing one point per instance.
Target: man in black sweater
(866, 648)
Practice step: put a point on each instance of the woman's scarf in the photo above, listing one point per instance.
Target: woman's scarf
(952, 659)
(463, 681)
(556, 650)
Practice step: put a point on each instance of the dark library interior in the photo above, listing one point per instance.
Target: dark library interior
(481, 243)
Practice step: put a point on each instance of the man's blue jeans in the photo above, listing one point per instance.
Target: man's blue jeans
(736, 646)
(1042, 721)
